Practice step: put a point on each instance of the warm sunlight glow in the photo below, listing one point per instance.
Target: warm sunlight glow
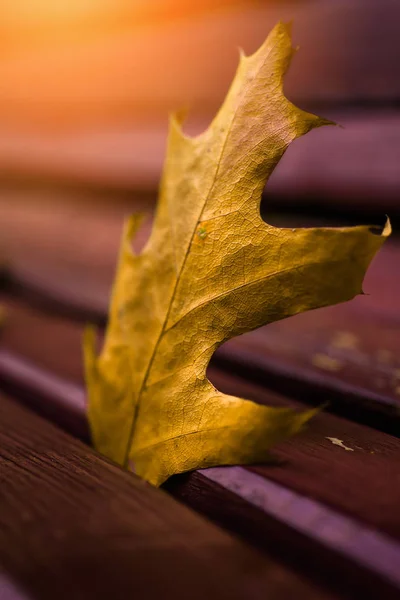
(85, 61)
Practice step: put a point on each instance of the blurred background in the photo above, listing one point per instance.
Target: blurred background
(85, 91)
(87, 85)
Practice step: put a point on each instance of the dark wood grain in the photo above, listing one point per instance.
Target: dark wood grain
(75, 526)
(65, 243)
(326, 512)
(49, 341)
(346, 355)
(272, 516)
(58, 400)
(286, 523)
(363, 482)
(354, 165)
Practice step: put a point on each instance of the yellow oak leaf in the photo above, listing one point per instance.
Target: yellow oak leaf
(211, 270)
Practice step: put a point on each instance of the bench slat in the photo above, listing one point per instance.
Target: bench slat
(361, 481)
(346, 355)
(280, 521)
(336, 167)
(73, 525)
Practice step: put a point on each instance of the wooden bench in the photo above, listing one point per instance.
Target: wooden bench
(325, 513)
(322, 520)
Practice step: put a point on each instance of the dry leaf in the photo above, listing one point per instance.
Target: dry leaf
(212, 270)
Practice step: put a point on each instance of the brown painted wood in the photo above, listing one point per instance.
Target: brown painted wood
(363, 482)
(360, 484)
(347, 355)
(66, 243)
(75, 526)
(354, 164)
(272, 517)
(51, 342)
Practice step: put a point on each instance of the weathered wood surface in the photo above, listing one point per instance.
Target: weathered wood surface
(332, 537)
(73, 525)
(62, 239)
(347, 355)
(363, 482)
(344, 357)
(314, 360)
(356, 162)
(269, 514)
(328, 513)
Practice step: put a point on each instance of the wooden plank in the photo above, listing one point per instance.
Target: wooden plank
(9, 590)
(270, 516)
(299, 362)
(49, 341)
(356, 162)
(251, 505)
(75, 526)
(347, 355)
(364, 387)
(382, 311)
(307, 356)
(60, 401)
(361, 482)
(69, 242)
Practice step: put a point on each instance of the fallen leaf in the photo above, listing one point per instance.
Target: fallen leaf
(212, 270)
(337, 442)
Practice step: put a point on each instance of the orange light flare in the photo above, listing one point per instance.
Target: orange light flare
(74, 63)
